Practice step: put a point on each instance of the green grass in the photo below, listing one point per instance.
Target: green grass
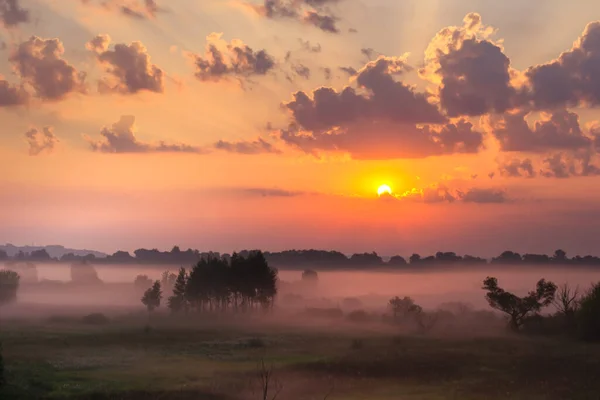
(69, 360)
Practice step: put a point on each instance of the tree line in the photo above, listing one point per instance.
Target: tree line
(239, 283)
(299, 259)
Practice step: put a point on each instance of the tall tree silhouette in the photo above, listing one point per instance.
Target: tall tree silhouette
(178, 302)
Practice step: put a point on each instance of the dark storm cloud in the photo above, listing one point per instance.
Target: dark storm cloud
(573, 78)
(11, 95)
(40, 141)
(557, 131)
(258, 146)
(129, 66)
(12, 14)
(474, 74)
(517, 168)
(233, 59)
(39, 63)
(379, 123)
(120, 138)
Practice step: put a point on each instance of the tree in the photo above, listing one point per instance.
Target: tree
(588, 316)
(152, 296)
(397, 261)
(310, 275)
(142, 282)
(518, 308)
(167, 281)
(567, 301)
(9, 285)
(404, 307)
(177, 301)
(2, 377)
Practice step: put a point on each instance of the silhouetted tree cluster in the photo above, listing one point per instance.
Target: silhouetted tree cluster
(152, 297)
(519, 308)
(84, 273)
(235, 283)
(588, 315)
(9, 285)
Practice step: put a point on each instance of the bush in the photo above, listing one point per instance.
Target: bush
(95, 319)
(358, 316)
(357, 344)
(588, 316)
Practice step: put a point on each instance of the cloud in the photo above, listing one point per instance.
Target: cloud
(349, 70)
(12, 14)
(324, 22)
(559, 130)
(311, 12)
(378, 123)
(40, 141)
(129, 67)
(223, 59)
(11, 95)
(517, 168)
(477, 195)
(307, 46)
(301, 70)
(573, 78)
(271, 192)
(137, 9)
(40, 65)
(258, 146)
(563, 165)
(120, 138)
(473, 73)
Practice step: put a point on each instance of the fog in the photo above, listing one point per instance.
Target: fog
(428, 288)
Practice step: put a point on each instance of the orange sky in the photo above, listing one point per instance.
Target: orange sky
(227, 159)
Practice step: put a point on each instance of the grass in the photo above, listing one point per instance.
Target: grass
(66, 359)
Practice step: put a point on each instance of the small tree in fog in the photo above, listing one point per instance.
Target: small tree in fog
(9, 285)
(142, 282)
(567, 301)
(404, 307)
(310, 275)
(177, 302)
(518, 308)
(152, 296)
(167, 281)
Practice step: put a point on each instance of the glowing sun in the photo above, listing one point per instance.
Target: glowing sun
(384, 189)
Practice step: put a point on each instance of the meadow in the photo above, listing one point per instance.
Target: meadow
(62, 341)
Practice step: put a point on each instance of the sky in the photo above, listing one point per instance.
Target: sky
(234, 124)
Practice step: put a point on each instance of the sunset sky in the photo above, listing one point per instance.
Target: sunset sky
(232, 124)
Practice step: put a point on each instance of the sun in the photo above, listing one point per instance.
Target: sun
(384, 189)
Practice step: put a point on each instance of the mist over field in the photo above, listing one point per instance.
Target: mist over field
(429, 288)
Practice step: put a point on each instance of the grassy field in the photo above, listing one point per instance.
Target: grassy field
(67, 359)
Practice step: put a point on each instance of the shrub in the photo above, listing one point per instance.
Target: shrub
(9, 284)
(588, 316)
(95, 319)
(358, 316)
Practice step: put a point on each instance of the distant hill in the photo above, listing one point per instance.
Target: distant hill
(55, 251)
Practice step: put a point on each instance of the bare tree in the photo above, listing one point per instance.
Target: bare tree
(567, 300)
(268, 383)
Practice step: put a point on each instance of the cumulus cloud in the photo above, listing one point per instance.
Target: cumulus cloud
(517, 168)
(11, 95)
(473, 73)
(258, 146)
(559, 130)
(129, 67)
(40, 65)
(387, 119)
(41, 140)
(565, 165)
(224, 59)
(439, 193)
(11, 13)
(311, 12)
(573, 78)
(120, 138)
